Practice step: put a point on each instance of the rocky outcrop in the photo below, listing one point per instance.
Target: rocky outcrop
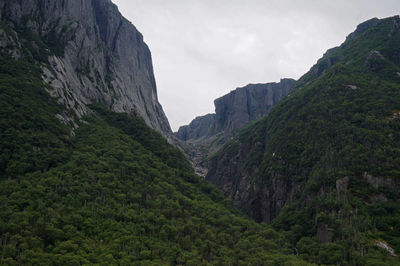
(249, 103)
(374, 61)
(201, 126)
(236, 109)
(89, 53)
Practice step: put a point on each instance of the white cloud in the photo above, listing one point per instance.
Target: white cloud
(202, 49)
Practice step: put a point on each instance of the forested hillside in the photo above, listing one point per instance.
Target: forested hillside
(324, 165)
(111, 192)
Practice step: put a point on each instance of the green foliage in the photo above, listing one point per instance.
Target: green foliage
(150, 139)
(32, 139)
(113, 193)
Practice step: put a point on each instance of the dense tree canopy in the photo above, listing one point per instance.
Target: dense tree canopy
(111, 192)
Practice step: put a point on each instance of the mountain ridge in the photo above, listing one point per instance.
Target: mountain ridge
(328, 151)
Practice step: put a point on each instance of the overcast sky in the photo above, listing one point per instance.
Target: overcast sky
(203, 49)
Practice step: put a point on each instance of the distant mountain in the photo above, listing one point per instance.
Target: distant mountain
(88, 53)
(324, 165)
(236, 109)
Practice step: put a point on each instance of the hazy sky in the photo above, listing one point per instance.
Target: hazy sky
(202, 49)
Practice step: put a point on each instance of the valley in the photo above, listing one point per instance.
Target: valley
(295, 172)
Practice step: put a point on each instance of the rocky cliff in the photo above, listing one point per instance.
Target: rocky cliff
(249, 103)
(200, 127)
(88, 53)
(236, 109)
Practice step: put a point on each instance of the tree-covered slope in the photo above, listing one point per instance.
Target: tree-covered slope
(324, 165)
(111, 192)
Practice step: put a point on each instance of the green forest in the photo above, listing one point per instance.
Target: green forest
(112, 192)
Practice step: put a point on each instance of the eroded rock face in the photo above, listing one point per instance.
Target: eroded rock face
(201, 126)
(95, 55)
(236, 109)
(249, 103)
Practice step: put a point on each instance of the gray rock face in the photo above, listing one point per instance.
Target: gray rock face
(236, 109)
(249, 103)
(201, 126)
(96, 55)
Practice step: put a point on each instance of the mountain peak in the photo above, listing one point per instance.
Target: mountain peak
(363, 27)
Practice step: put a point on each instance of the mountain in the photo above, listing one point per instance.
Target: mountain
(91, 184)
(206, 134)
(324, 164)
(87, 175)
(236, 109)
(89, 53)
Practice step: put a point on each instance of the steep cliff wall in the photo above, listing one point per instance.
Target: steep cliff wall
(236, 109)
(249, 103)
(89, 53)
(200, 126)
